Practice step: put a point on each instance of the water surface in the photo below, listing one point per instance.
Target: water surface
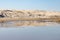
(51, 31)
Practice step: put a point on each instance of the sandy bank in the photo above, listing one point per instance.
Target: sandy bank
(12, 15)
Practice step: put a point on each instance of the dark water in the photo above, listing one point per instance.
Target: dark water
(46, 32)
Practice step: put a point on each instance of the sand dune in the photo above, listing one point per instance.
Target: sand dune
(28, 13)
(6, 15)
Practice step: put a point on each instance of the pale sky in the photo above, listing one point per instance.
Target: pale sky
(30, 4)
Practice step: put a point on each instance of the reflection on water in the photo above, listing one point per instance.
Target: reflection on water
(30, 30)
(26, 23)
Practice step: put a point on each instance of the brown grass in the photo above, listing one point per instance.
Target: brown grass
(29, 19)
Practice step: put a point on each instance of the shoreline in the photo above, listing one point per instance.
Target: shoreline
(29, 19)
(29, 15)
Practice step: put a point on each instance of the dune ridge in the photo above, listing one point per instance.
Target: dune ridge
(10, 15)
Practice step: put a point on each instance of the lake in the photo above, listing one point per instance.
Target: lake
(46, 31)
